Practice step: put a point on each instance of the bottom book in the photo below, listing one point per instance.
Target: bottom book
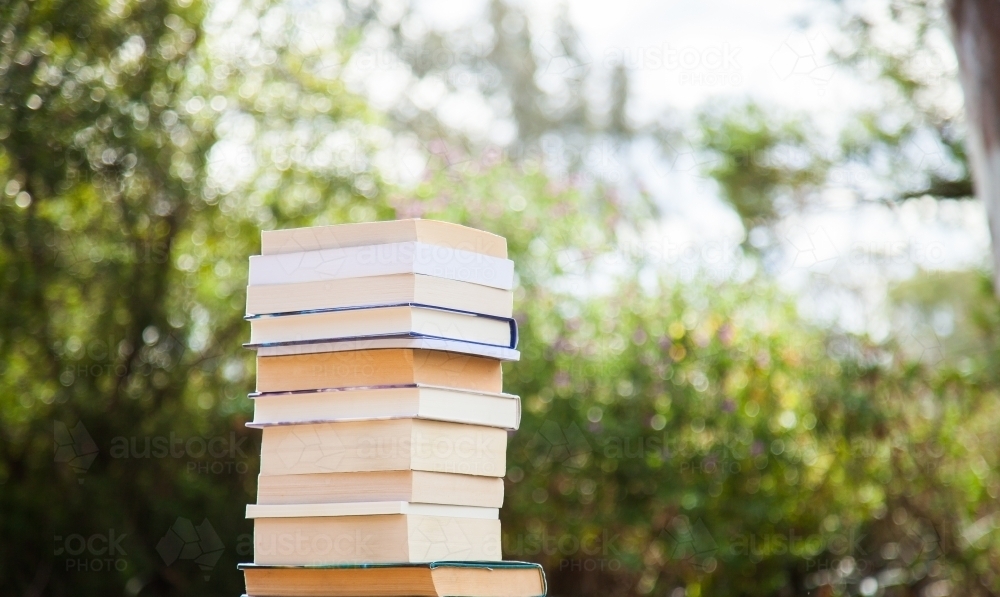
(434, 579)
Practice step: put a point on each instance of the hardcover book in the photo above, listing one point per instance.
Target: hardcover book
(433, 579)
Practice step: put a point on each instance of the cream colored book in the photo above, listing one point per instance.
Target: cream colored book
(432, 232)
(400, 402)
(365, 322)
(379, 290)
(368, 509)
(407, 486)
(388, 367)
(382, 260)
(374, 539)
(434, 579)
(384, 445)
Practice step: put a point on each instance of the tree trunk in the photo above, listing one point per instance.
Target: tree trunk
(975, 26)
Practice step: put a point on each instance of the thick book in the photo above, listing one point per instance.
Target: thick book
(375, 538)
(379, 290)
(370, 368)
(358, 323)
(407, 486)
(382, 342)
(368, 509)
(434, 579)
(383, 445)
(382, 260)
(413, 401)
(339, 236)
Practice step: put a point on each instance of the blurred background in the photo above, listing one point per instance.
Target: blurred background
(759, 332)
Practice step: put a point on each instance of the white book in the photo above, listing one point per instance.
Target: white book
(403, 402)
(372, 291)
(364, 322)
(368, 509)
(382, 260)
(457, 346)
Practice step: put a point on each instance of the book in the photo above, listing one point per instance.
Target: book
(368, 509)
(434, 579)
(383, 320)
(375, 538)
(367, 368)
(373, 343)
(414, 401)
(384, 425)
(379, 290)
(408, 486)
(443, 234)
(382, 260)
(383, 445)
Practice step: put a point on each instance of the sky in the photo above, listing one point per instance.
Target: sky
(841, 255)
(682, 55)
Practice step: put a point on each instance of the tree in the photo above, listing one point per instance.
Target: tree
(676, 434)
(975, 28)
(125, 463)
(101, 165)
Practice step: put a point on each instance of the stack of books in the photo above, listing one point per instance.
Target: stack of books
(384, 422)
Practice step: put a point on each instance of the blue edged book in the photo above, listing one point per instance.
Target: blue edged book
(384, 326)
(433, 579)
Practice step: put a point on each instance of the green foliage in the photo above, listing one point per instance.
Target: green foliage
(110, 320)
(698, 436)
(706, 437)
(764, 165)
(915, 138)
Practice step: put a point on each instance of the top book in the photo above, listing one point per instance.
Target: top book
(432, 232)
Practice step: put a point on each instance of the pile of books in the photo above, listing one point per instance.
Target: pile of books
(384, 422)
